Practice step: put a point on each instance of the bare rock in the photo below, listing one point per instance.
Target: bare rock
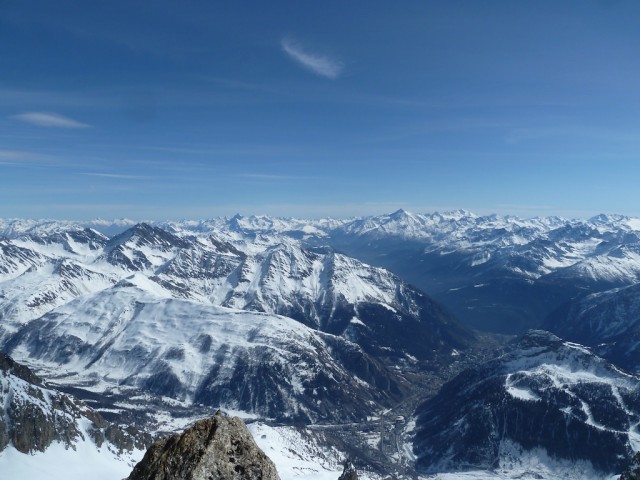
(217, 448)
(349, 472)
(34, 415)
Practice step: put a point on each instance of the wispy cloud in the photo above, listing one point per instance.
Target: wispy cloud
(318, 64)
(47, 119)
(275, 177)
(21, 158)
(116, 175)
(17, 155)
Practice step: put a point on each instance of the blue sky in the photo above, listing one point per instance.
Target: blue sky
(172, 109)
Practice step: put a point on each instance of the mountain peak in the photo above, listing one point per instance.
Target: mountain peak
(400, 213)
(146, 234)
(216, 447)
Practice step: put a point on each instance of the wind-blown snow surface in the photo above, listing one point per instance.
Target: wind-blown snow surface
(547, 399)
(296, 457)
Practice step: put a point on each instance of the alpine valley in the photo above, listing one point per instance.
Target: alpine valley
(443, 345)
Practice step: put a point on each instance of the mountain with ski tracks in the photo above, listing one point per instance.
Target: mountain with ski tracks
(548, 401)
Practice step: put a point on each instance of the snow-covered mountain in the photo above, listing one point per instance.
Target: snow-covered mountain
(498, 273)
(322, 289)
(136, 334)
(296, 321)
(41, 425)
(325, 290)
(160, 321)
(547, 399)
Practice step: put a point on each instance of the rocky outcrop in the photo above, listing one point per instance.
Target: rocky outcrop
(33, 416)
(217, 448)
(349, 472)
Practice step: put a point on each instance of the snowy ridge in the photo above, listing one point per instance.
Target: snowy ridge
(554, 243)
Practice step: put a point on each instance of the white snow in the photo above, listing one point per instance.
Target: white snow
(357, 321)
(517, 463)
(298, 456)
(519, 392)
(58, 463)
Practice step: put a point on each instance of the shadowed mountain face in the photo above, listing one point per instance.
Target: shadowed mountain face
(501, 274)
(608, 322)
(546, 395)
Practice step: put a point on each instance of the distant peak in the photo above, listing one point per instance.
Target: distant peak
(607, 218)
(142, 226)
(401, 214)
(236, 221)
(456, 214)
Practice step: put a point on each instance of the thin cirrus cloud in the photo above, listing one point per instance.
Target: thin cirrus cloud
(116, 176)
(17, 155)
(318, 64)
(46, 119)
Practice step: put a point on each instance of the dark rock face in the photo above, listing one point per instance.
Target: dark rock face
(545, 393)
(349, 472)
(35, 416)
(217, 448)
(10, 366)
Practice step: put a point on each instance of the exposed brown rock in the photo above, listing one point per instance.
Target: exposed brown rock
(33, 416)
(217, 448)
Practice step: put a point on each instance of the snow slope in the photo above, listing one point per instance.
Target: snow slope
(136, 334)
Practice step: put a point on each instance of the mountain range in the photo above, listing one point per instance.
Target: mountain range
(343, 328)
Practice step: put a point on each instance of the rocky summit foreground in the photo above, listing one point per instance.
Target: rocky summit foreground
(217, 448)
